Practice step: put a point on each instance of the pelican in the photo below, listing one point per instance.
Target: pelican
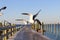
(32, 17)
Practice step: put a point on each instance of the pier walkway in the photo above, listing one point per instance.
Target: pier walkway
(26, 33)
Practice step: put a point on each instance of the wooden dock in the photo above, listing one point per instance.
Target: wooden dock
(28, 34)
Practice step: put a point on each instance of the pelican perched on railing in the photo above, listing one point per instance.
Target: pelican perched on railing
(32, 17)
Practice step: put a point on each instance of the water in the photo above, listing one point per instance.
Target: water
(52, 31)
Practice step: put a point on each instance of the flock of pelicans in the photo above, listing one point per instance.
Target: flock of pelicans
(31, 19)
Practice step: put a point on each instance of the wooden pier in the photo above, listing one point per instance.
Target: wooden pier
(28, 34)
(14, 33)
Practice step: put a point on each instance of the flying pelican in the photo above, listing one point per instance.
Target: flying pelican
(37, 21)
(32, 17)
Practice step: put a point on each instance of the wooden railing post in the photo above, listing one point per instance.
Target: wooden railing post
(51, 28)
(11, 31)
(4, 32)
(58, 28)
(54, 28)
(1, 34)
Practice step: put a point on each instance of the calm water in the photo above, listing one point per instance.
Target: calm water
(51, 32)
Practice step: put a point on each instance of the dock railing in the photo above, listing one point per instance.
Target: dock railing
(52, 28)
(6, 32)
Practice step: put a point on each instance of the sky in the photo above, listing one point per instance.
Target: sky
(50, 10)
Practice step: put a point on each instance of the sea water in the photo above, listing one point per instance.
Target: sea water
(52, 31)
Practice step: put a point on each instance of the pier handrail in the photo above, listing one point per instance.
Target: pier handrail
(7, 31)
(6, 28)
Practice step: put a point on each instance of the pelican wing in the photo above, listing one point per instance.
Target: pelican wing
(0, 9)
(20, 20)
(25, 14)
(38, 21)
(3, 8)
(36, 14)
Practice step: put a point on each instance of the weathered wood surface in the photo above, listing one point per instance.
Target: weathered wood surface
(28, 34)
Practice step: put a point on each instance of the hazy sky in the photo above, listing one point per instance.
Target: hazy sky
(50, 9)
